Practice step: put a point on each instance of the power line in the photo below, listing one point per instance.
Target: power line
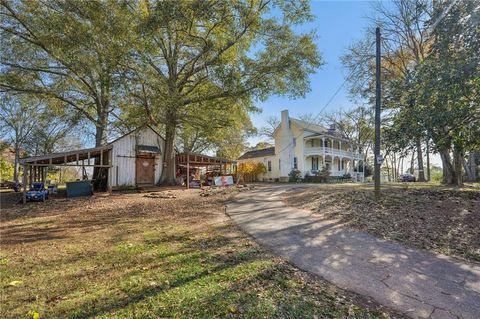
(366, 57)
(331, 98)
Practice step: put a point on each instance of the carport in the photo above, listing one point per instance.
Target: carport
(189, 160)
(35, 168)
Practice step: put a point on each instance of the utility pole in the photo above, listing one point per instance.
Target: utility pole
(378, 91)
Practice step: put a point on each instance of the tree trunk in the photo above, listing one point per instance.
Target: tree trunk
(448, 170)
(412, 162)
(470, 167)
(428, 160)
(388, 171)
(457, 165)
(100, 134)
(168, 172)
(100, 139)
(421, 173)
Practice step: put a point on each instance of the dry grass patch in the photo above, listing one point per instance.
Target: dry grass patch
(130, 256)
(429, 216)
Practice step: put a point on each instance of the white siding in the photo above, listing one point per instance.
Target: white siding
(124, 156)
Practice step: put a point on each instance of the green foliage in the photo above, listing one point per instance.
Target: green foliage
(192, 68)
(202, 60)
(6, 170)
(430, 78)
(251, 170)
(68, 52)
(294, 176)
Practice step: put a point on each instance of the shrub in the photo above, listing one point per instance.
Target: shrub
(294, 176)
(251, 170)
(319, 177)
(437, 176)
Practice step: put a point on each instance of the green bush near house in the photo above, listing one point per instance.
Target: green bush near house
(294, 176)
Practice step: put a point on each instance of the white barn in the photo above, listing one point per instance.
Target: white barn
(132, 160)
(136, 158)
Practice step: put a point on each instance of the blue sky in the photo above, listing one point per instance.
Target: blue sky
(338, 24)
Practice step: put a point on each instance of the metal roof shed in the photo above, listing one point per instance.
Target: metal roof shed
(132, 160)
(34, 168)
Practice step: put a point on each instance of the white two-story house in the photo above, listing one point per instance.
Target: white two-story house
(308, 148)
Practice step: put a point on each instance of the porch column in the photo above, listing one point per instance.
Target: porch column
(353, 167)
(340, 145)
(323, 147)
(305, 168)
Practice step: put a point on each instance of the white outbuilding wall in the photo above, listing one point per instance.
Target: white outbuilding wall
(124, 154)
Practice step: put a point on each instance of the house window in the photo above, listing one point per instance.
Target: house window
(339, 165)
(269, 164)
(325, 143)
(314, 163)
(295, 164)
(279, 164)
(294, 142)
(311, 142)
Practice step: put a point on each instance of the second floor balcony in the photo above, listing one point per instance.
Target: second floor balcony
(332, 147)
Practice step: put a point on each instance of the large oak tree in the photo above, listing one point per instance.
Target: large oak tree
(195, 58)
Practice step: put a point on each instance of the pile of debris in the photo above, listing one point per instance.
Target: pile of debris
(166, 195)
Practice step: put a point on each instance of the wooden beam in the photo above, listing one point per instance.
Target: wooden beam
(29, 160)
(101, 157)
(71, 165)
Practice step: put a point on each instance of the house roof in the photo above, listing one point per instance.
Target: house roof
(309, 126)
(258, 153)
(317, 130)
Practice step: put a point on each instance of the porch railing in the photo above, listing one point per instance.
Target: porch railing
(332, 152)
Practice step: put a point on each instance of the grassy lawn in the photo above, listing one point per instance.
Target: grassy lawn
(429, 216)
(129, 256)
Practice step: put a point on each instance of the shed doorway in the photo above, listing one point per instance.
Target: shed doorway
(145, 170)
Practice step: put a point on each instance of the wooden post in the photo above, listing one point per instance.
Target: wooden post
(109, 172)
(101, 157)
(188, 171)
(24, 195)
